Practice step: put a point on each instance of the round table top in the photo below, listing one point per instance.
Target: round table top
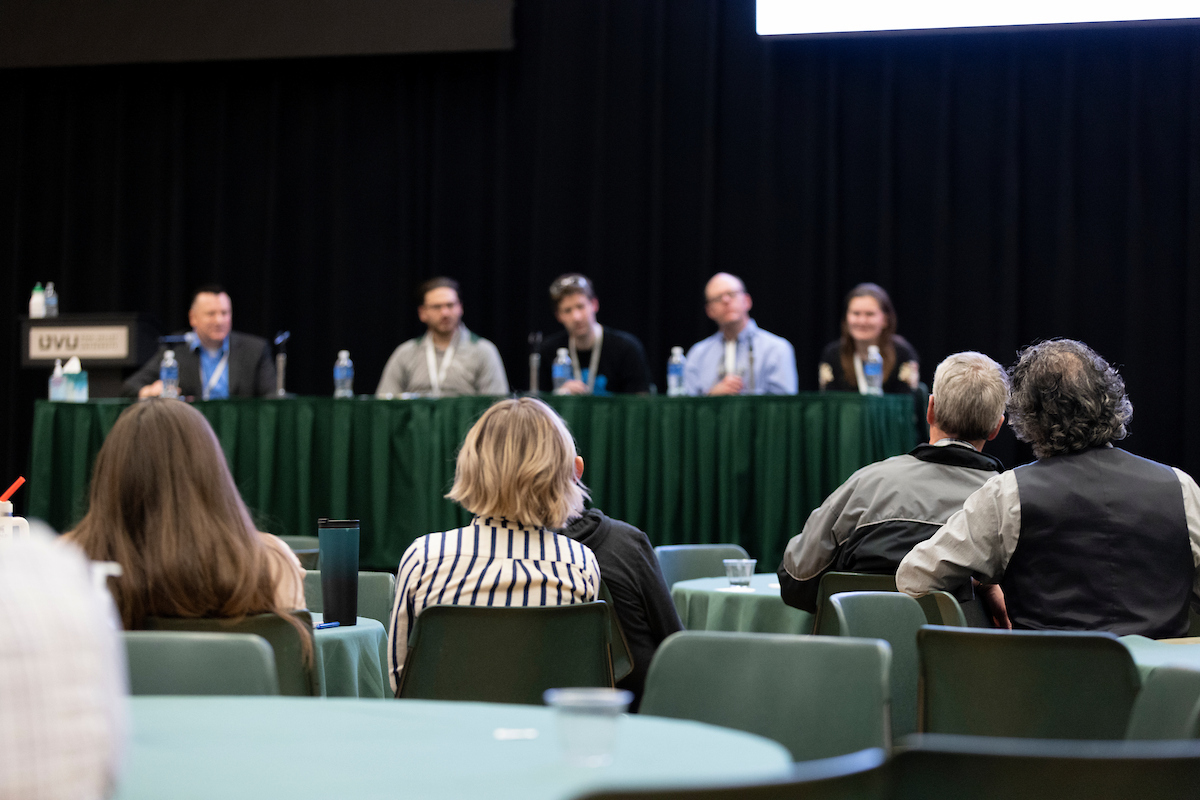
(711, 604)
(760, 583)
(294, 748)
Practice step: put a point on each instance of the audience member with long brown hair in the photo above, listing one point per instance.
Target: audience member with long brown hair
(164, 506)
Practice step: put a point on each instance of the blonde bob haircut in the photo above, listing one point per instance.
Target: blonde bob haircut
(518, 463)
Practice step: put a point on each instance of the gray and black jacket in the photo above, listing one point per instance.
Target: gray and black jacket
(872, 520)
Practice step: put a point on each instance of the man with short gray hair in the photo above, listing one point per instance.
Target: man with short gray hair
(872, 520)
(1088, 537)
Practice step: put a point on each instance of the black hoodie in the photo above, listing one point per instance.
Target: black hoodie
(640, 596)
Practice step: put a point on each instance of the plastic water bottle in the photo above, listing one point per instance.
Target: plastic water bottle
(343, 375)
(11, 526)
(675, 365)
(37, 302)
(51, 300)
(168, 373)
(58, 384)
(560, 370)
(873, 371)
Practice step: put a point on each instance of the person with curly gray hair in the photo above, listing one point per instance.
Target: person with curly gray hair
(1089, 536)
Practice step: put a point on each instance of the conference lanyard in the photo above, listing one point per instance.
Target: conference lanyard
(216, 376)
(438, 376)
(593, 362)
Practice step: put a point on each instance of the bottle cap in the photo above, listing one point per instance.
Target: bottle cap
(343, 353)
(562, 351)
(37, 287)
(49, 286)
(872, 350)
(169, 354)
(676, 351)
(58, 370)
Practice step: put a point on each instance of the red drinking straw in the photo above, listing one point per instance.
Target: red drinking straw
(16, 485)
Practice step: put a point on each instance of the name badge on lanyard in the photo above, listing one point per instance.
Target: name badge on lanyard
(438, 376)
(216, 376)
(593, 362)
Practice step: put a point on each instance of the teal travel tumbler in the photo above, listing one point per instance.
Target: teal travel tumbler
(338, 542)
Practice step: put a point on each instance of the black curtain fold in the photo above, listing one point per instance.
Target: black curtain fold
(1004, 186)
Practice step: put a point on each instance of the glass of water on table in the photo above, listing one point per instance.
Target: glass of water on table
(739, 570)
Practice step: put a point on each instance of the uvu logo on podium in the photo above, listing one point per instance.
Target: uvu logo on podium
(85, 341)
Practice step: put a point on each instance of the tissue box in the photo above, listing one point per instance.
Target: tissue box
(76, 387)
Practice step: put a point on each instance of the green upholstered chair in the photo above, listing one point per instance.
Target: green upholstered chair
(991, 768)
(1168, 706)
(941, 608)
(505, 654)
(295, 674)
(825, 621)
(1035, 684)
(895, 618)
(622, 659)
(306, 548)
(376, 594)
(682, 562)
(186, 663)
(819, 696)
(856, 776)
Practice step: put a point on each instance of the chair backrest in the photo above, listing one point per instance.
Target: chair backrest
(1168, 706)
(306, 548)
(857, 776)
(819, 696)
(895, 618)
(186, 663)
(505, 654)
(990, 768)
(825, 621)
(296, 676)
(682, 562)
(1035, 684)
(941, 608)
(376, 594)
(618, 647)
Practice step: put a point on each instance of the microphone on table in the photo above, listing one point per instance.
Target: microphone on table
(750, 348)
(535, 360)
(281, 362)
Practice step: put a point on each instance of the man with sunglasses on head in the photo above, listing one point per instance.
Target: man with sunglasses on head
(740, 358)
(448, 360)
(603, 360)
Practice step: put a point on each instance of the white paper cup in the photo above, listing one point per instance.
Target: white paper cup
(587, 720)
(739, 570)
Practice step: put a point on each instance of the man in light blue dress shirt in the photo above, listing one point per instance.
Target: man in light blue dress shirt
(740, 358)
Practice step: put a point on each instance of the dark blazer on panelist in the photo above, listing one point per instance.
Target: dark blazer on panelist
(251, 369)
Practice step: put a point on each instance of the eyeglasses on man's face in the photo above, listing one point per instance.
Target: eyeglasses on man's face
(723, 297)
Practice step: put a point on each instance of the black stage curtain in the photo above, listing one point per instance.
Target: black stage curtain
(1005, 186)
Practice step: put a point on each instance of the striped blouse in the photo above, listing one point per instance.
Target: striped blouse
(491, 562)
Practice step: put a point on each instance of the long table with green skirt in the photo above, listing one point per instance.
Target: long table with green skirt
(683, 469)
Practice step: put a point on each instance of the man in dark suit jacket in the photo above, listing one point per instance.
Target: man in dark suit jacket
(216, 362)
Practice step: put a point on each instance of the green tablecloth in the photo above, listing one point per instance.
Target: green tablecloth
(711, 604)
(256, 748)
(685, 470)
(352, 660)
